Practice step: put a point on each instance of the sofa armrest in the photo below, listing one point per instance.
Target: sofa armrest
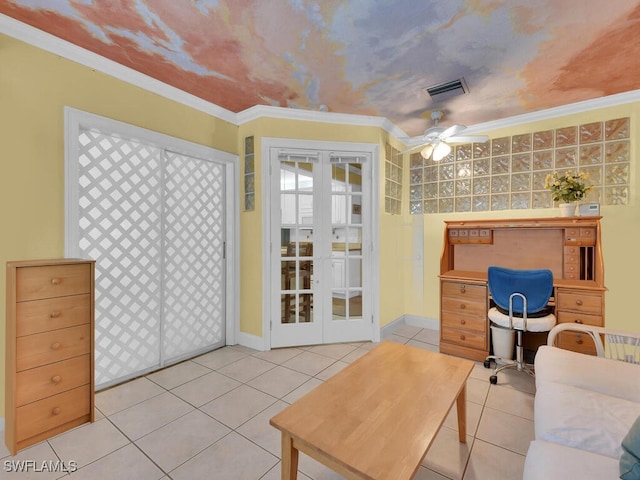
(614, 344)
(598, 374)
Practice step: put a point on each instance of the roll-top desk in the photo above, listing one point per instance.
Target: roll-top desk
(569, 247)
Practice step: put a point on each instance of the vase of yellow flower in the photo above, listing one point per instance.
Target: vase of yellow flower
(568, 188)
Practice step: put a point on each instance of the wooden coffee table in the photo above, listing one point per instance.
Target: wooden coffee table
(376, 418)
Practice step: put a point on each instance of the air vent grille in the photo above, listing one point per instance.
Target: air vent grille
(446, 90)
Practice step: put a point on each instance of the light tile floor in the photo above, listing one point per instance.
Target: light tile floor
(209, 418)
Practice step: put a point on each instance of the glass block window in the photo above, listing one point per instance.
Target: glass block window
(249, 175)
(509, 173)
(393, 181)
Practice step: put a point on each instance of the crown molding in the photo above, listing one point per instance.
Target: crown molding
(265, 111)
(555, 112)
(68, 50)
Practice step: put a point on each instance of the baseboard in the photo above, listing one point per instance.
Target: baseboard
(251, 341)
(422, 322)
(413, 320)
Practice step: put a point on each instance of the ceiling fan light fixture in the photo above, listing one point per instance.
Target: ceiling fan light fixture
(427, 151)
(440, 151)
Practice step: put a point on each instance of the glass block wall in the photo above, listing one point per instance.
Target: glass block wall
(509, 172)
(249, 175)
(393, 181)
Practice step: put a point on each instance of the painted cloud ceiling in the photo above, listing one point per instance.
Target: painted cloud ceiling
(371, 57)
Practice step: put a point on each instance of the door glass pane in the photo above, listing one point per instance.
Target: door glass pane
(346, 259)
(296, 241)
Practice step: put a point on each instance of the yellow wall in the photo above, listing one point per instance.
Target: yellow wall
(35, 86)
(620, 228)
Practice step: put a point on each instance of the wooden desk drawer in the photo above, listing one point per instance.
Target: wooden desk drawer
(470, 293)
(51, 412)
(52, 313)
(460, 306)
(580, 318)
(464, 338)
(453, 321)
(44, 348)
(578, 301)
(576, 342)
(34, 283)
(41, 382)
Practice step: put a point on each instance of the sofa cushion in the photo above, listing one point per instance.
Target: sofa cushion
(583, 419)
(550, 461)
(630, 459)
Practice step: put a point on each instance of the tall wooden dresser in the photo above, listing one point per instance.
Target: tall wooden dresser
(49, 349)
(568, 246)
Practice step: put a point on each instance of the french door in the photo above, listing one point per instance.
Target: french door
(320, 266)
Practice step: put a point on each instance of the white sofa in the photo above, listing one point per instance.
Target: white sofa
(584, 407)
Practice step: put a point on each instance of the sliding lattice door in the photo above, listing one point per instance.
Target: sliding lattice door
(154, 222)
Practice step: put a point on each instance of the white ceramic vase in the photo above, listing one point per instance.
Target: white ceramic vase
(567, 209)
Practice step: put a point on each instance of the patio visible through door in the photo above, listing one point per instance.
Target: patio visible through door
(320, 282)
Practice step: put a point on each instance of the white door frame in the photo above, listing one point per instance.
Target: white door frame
(268, 208)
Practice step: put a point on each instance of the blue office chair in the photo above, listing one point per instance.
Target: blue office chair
(521, 298)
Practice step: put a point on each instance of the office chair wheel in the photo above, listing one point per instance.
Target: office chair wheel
(487, 364)
(493, 379)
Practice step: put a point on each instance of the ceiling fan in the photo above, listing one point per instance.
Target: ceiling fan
(436, 141)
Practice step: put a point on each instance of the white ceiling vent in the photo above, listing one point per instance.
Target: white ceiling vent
(444, 91)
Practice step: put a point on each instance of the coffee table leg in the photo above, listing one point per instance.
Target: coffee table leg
(289, 458)
(461, 404)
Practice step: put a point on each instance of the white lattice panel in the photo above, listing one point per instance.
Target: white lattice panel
(120, 213)
(194, 263)
(154, 222)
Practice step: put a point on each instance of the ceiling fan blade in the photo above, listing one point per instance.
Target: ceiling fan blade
(415, 147)
(451, 131)
(468, 139)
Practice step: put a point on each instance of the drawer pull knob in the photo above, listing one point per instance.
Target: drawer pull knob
(56, 281)
(54, 314)
(55, 379)
(578, 302)
(579, 341)
(577, 320)
(55, 410)
(463, 321)
(462, 288)
(55, 346)
(462, 337)
(463, 306)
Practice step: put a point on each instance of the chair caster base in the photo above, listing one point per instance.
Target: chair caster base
(493, 379)
(487, 364)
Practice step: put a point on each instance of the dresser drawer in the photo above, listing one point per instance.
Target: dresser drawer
(464, 338)
(33, 283)
(477, 324)
(579, 302)
(41, 382)
(52, 313)
(51, 412)
(44, 348)
(580, 318)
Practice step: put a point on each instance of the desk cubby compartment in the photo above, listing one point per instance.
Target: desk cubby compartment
(579, 262)
(470, 235)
